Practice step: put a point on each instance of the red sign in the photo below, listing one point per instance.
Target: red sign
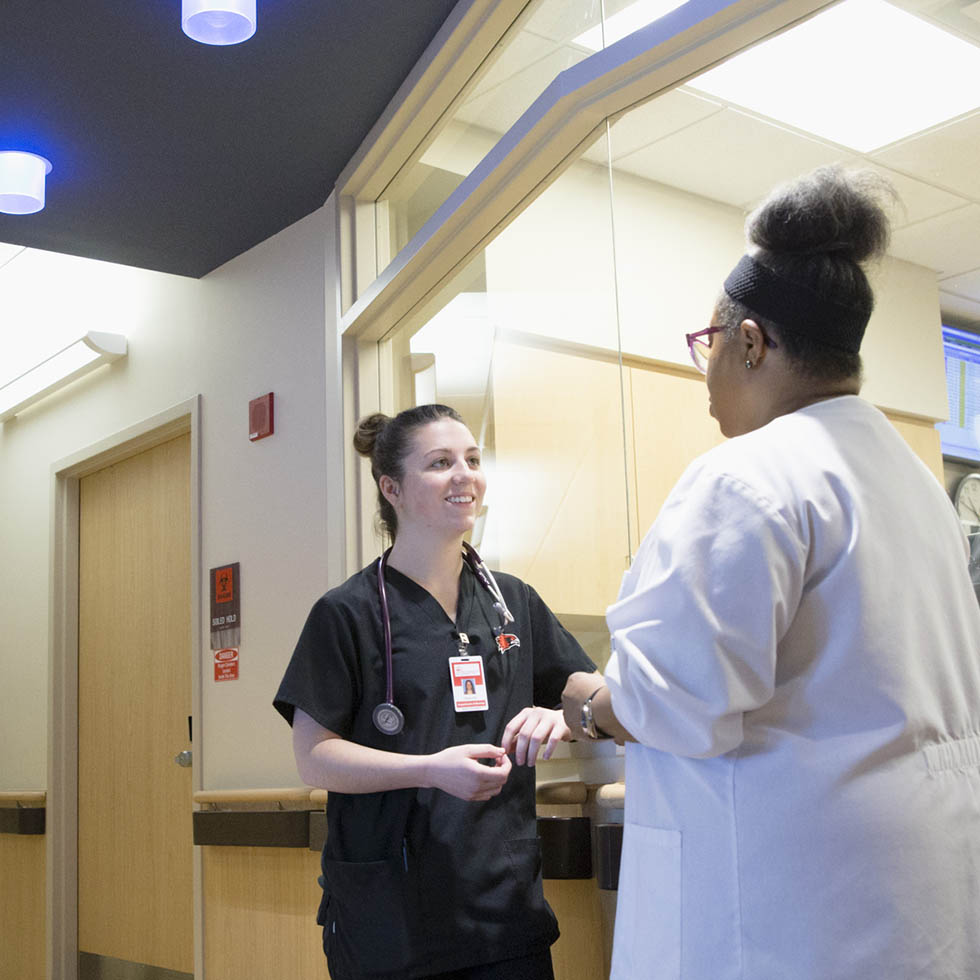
(226, 664)
(224, 584)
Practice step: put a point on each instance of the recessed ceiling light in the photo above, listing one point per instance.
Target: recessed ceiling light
(22, 181)
(218, 21)
(628, 20)
(863, 74)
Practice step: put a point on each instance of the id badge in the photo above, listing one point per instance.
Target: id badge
(469, 685)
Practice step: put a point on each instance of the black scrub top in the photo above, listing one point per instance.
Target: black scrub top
(417, 881)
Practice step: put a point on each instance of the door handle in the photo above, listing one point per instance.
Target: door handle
(184, 759)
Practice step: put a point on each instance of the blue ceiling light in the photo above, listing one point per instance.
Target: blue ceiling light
(22, 181)
(218, 21)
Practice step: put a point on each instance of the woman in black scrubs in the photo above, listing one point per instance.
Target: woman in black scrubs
(431, 866)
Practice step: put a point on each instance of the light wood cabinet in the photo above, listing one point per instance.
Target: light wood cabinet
(584, 458)
(557, 504)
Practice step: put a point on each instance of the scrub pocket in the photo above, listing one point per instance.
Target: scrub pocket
(522, 894)
(369, 919)
(525, 858)
(648, 909)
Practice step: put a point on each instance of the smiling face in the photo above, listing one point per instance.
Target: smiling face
(442, 485)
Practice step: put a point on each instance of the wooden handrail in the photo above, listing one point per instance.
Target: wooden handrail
(24, 798)
(561, 792)
(612, 795)
(233, 797)
(556, 793)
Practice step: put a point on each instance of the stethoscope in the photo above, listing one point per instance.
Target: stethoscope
(387, 717)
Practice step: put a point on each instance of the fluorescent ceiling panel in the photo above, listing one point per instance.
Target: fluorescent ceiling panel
(862, 74)
(624, 23)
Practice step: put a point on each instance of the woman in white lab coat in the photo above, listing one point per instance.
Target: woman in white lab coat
(796, 651)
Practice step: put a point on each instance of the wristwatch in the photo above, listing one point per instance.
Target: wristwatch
(591, 729)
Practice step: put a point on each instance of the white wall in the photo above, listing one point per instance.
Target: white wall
(256, 324)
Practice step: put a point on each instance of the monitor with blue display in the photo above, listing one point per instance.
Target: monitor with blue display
(960, 436)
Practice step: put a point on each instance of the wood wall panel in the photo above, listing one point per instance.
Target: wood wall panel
(672, 427)
(260, 908)
(260, 904)
(558, 499)
(579, 953)
(923, 440)
(22, 909)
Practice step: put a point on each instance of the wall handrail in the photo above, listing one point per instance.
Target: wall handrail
(291, 798)
(24, 798)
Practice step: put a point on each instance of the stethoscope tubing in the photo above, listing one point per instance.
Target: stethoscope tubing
(484, 577)
(386, 623)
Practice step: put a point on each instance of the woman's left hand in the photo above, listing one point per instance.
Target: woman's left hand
(532, 728)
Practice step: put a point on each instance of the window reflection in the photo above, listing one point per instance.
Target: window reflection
(523, 343)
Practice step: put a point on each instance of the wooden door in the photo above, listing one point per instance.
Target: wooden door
(135, 872)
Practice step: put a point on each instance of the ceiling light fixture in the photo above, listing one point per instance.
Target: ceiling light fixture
(862, 74)
(218, 21)
(22, 181)
(78, 358)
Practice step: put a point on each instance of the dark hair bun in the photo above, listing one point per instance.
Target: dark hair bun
(829, 211)
(367, 432)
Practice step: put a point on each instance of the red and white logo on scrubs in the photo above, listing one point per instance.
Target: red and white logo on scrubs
(505, 641)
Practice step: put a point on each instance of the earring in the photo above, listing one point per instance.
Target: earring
(748, 364)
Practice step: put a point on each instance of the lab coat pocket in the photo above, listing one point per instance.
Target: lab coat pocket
(648, 909)
(369, 920)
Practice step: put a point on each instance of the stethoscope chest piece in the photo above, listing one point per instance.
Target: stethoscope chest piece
(388, 719)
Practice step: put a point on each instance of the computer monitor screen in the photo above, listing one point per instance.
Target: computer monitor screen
(960, 436)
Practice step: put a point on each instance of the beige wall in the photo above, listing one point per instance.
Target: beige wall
(256, 324)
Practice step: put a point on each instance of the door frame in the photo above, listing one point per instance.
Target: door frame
(62, 800)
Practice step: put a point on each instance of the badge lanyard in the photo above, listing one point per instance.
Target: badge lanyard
(387, 716)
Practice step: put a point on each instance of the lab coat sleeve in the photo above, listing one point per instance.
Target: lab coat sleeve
(695, 631)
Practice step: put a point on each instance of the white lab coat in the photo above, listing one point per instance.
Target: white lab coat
(797, 649)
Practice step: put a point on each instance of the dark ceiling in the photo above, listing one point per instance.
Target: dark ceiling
(177, 156)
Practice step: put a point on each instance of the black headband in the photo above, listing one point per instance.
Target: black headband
(796, 307)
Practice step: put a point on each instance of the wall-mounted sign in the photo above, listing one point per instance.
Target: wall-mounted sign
(226, 607)
(226, 664)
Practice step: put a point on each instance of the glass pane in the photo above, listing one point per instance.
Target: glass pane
(687, 167)
(524, 344)
(541, 44)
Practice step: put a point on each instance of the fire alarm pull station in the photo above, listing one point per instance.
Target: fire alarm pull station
(261, 421)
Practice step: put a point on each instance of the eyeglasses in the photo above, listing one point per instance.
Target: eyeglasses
(700, 346)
